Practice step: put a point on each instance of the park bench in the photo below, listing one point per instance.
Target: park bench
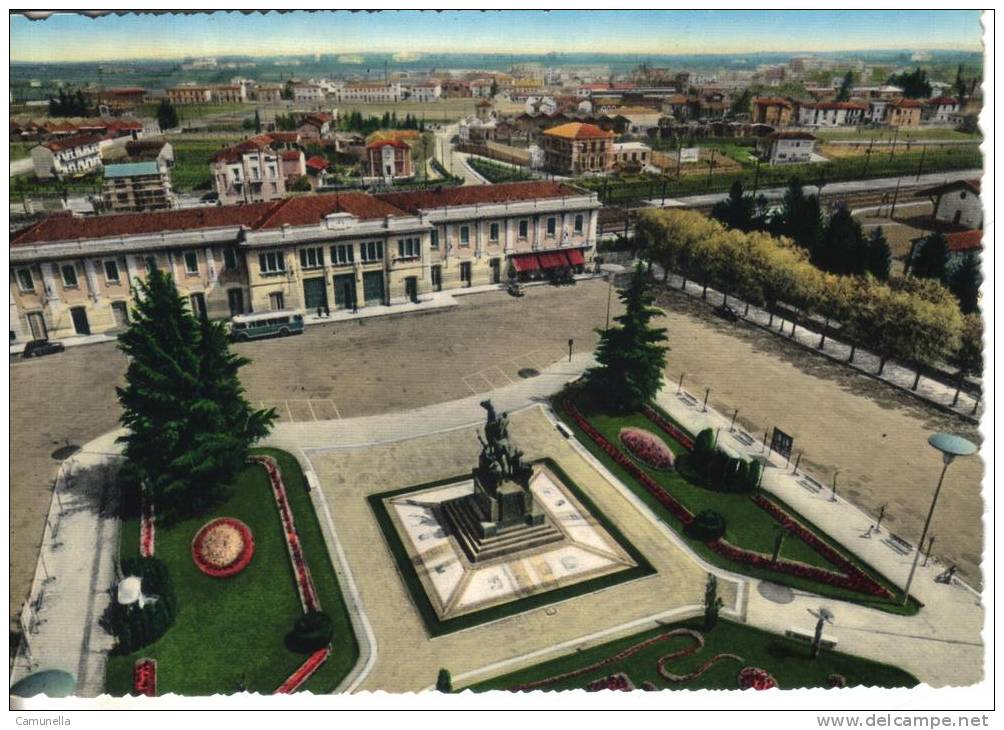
(563, 430)
(688, 399)
(811, 484)
(898, 544)
(743, 437)
(826, 642)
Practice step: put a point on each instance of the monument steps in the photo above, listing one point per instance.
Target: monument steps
(465, 527)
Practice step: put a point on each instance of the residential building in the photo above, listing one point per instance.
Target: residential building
(294, 164)
(456, 89)
(315, 126)
(942, 110)
(136, 187)
(151, 149)
(369, 92)
(481, 88)
(575, 148)
(786, 147)
(58, 158)
(77, 275)
(230, 94)
(831, 113)
(119, 99)
(631, 155)
(268, 93)
(775, 111)
(422, 91)
(904, 113)
(182, 95)
(956, 202)
(308, 93)
(962, 245)
(388, 159)
(886, 92)
(248, 172)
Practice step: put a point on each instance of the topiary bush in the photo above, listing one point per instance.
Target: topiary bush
(312, 631)
(136, 627)
(704, 446)
(707, 525)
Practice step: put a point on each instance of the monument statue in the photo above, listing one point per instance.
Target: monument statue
(501, 516)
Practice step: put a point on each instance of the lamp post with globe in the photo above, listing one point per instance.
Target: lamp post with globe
(950, 446)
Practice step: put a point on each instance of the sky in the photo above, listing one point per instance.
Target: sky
(68, 37)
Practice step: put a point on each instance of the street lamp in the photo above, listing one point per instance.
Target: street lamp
(950, 446)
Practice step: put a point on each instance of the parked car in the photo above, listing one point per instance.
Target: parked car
(38, 348)
(514, 288)
(727, 313)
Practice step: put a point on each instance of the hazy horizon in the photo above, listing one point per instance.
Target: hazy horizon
(74, 38)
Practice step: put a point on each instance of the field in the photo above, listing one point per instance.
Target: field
(787, 660)
(231, 631)
(191, 112)
(445, 110)
(191, 161)
(880, 135)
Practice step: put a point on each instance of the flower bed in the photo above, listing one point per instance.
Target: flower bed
(147, 532)
(757, 678)
(648, 448)
(304, 583)
(617, 682)
(698, 644)
(223, 547)
(144, 677)
(847, 576)
(301, 675)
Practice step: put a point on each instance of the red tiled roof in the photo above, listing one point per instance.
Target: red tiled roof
(65, 228)
(413, 202)
(291, 155)
(307, 210)
(943, 100)
(317, 163)
(126, 90)
(317, 119)
(77, 140)
(578, 130)
(772, 101)
(285, 136)
(965, 241)
(233, 153)
(907, 103)
(377, 144)
(836, 105)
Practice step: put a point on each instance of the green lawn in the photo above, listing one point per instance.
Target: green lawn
(234, 628)
(864, 135)
(191, 112)
(787, 660)
(747, 525)
(495, 172)
(19, 150)
(191, 161)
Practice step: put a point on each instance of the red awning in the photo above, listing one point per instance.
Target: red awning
(575, 257)
(525, 262)
(552, 260)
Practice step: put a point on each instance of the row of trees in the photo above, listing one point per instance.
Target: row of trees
(70, 104)
(837, 244)
(932, 259)
(909, 319)
(355, 122)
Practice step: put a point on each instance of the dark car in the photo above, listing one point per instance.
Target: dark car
(727, 313)
(37, 348)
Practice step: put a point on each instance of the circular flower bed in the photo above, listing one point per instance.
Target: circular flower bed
(647, 448)
(756, 678)
(223, 547)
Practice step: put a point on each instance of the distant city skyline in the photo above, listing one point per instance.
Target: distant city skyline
(66, 37)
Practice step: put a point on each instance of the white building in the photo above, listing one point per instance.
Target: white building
(786, 148)
(481, 88)
(369, 92)
(956, 202)
(308, 93)
(75, 155)
(248, 172)
(831, 114)
(423, 91)
(942, 110)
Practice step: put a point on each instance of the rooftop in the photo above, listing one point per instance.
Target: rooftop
(78, 140)
(578, 130)
(965, 241)
(132, 169)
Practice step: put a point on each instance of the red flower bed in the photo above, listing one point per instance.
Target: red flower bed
(301, 675)
(758, 679)
(146, 528)
(144, 677)
(668, 426)
(304, 583)
(617, 682)
(850, 576)
(647, 448)
(223, 547)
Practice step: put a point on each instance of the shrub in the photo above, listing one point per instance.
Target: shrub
(647, 448)
(312, 631)
(136, 627)
(753, 475)
(708, 525)
(444, 682)
(703, 447)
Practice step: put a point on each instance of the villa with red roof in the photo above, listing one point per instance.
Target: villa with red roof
(576, 148)
(72, 275)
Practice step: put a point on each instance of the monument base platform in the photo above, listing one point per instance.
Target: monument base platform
(482, 541)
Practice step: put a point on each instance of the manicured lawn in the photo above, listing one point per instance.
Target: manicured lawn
(496, 173)
(191, 161)
(747, 525)
(787, 661)
(234, 628)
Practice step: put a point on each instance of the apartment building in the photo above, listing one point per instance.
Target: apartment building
(230, 94)
(575, 148)
(248, 172)
(422, 91)
(136, 187)
(76, 155)
(308, 93)
(773, 110)
(831, 113)
(369, 92)
(75, 275)
(182, 95)
(786, 148)
(389, 159)
(942, 110)
(904, 113)
(268, 93)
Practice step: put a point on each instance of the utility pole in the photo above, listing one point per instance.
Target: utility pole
(895, 196)
(920, 167)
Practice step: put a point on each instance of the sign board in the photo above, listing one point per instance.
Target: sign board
(690, 154)
(781, 443)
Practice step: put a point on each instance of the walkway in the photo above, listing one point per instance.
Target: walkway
(941, 645)
(896, 375)
(75, 573)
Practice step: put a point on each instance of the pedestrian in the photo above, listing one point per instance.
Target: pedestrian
(868, 534)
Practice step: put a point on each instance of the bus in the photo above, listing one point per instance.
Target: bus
(244, 327)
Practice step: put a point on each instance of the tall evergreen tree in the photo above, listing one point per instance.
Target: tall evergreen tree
(800, 217)
(878, 257)
(736, 211)
(965, 282)
(257, 122)
(630, 354)
(845, 87)
(930, 258)
(189, 426)
(167, 115)
(842, 248)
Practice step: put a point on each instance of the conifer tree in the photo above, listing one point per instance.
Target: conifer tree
(189, 426)
(965, 282)
(930, 258)
(879, 256)
(630, 356)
